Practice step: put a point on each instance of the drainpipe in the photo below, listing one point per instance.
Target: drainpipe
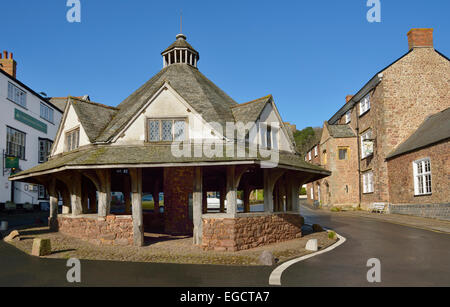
(358, 139)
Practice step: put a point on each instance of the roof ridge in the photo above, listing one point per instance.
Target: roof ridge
(252, 101)
(93, 103)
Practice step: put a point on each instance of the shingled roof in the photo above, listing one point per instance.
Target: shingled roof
(249, 112)
(434, 129)
(93, 116)
(148, 155)
(181, 43)
(205, 97)
(341, 131)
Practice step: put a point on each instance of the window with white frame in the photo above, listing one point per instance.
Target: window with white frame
(368, 182)
(348, 117)
(72, 139)
(312, 193)
(17, 95)
(366, 144)
(15, 143)
(309, 155)
(46, 113)
(44, 150)
(364, 105)
(166, 130)
(316, 151)
(42, 192)
(422, 176)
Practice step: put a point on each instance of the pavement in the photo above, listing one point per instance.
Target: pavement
(409, 256)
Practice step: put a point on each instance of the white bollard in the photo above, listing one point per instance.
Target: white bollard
(312, 245)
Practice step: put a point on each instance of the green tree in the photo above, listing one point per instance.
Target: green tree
(306, 138)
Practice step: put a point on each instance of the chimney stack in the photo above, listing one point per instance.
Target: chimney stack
(8, 64)
(348, 98)
(420, 38)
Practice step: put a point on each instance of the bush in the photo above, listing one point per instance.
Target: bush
(331, 235)
(335, 209)
(303, 191)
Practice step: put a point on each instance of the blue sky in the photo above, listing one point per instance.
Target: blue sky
(308, 54)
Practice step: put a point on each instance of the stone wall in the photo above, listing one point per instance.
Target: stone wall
(434, 211)
(234, 234)
(112, 230)
(401, 176)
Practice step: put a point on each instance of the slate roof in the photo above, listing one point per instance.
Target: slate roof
(341, 131)
(93, 116)
(434, 129)
(180, 43)
(204, 96)
(249, 111)
(148, 155)
(61, 102)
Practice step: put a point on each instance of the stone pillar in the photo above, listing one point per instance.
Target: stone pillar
(104, 193)
(75, 194)
(136, 201)
(53, 193)
(197, 204)
(231, 190)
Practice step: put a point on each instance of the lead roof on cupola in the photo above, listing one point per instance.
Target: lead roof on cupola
(180, 42)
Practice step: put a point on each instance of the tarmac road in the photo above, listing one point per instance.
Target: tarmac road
(409, 257)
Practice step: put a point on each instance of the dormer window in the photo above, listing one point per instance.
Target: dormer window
(348, 117)
(72, 139)
(166, 130)
(364, 105)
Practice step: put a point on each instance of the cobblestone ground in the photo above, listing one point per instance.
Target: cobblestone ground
(164, 249)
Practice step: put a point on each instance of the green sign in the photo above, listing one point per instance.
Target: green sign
(11, 162)
(30, 121)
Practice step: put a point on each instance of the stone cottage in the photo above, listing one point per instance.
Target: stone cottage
(180, 135)
(384, 113)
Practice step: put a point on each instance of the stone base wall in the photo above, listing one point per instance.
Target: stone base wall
(112, 230)
(434, 211)
(234, 234)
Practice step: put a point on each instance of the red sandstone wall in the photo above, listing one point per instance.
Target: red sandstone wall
(114, 230)
(401, 176)
(227, 234)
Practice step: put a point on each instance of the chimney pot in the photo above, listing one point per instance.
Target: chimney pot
(420, 38)
(348, 98)
(8, 65)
